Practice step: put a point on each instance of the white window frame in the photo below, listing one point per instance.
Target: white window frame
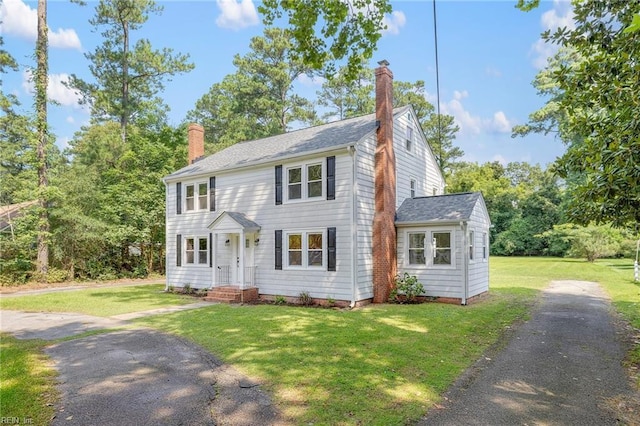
(472, 245)
(304, 182)
(452, 239)
(413, 185)
(196, 250)
(424, 247)
(409, 140)
(197, 198)
(485, 246)
(305, 249)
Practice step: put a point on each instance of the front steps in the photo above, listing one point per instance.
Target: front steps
(232, 294)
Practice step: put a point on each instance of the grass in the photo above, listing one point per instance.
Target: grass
(103, 302)
(26, 381)
(384, 364)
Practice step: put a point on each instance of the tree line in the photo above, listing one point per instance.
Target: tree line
(101, 202)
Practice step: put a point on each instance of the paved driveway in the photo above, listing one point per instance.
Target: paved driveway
(139, 376)
(563, 367)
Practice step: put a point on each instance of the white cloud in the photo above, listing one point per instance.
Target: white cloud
(471, 124)
(560, 15)
(236, 14)
(56, 90)
(500, 159)
(20, 20)
(394, 22)
(311, 81)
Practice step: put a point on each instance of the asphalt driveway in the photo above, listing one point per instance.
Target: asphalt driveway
(138, 376)
(562, 367)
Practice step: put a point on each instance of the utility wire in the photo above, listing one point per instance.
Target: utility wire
(435, 38)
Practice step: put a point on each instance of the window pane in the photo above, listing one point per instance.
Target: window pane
(295, 191)
(416, 240)
(443, 239)
(416, 257)
(295, 175)
(314, 172)
(190, 191)
(295, 242)
(190, 244)
(189, 257)
(315, 257)
(202, 189)
(202, 257)
(202, 244)
(315, 241)
(314, 189)
(295, 258)
(443, 257)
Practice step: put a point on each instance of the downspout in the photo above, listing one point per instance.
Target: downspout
(465, 271)
(354, 226)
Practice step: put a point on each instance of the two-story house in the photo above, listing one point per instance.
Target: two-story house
(335, 211)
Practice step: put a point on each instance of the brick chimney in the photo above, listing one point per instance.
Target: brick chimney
(196, 142)
(384, 228)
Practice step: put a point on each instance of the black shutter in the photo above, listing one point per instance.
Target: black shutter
(179, 198)
(278, 185)
(331, 178)
(178, 250)
(210, 250)
(212, 193)
(331, 249)
(278, 249)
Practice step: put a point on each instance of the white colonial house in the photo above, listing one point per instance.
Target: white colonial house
(335, 211)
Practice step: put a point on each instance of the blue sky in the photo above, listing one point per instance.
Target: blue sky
(489, 52)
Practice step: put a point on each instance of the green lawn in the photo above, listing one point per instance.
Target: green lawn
(102, 302)
(383, 364)
(26, 381)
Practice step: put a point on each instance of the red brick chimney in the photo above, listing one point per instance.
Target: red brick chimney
(196, 142)
(384, 228)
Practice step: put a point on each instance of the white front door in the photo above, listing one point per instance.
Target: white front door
(235, 259)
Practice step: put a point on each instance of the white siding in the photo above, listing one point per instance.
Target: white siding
(479, 267)
(365, 211)
(252, 191)
(418, 164)
(438, 281)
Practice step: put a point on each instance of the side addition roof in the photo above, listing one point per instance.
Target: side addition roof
(439, 208)
(298, 142)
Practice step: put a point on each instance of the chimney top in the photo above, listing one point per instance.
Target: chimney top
(383, 63)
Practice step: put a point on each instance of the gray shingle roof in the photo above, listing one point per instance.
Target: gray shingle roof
(317, 138)
(439, 208)
(246, 223)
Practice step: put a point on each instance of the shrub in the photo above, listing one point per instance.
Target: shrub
(187, 289)
(280, 300)
(406, 289)
(53, 275)
(305, 298)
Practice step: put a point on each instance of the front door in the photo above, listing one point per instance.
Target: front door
(235, 259)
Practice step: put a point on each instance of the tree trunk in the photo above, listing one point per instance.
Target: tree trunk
(42, 262)
(125, 81)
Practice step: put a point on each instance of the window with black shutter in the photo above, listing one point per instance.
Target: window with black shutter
(178, 250)
(331, 178)
(278, 185)
(278, 249)
(331, 249)
(179, 198)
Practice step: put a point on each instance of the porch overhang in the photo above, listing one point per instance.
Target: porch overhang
(233, 222)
